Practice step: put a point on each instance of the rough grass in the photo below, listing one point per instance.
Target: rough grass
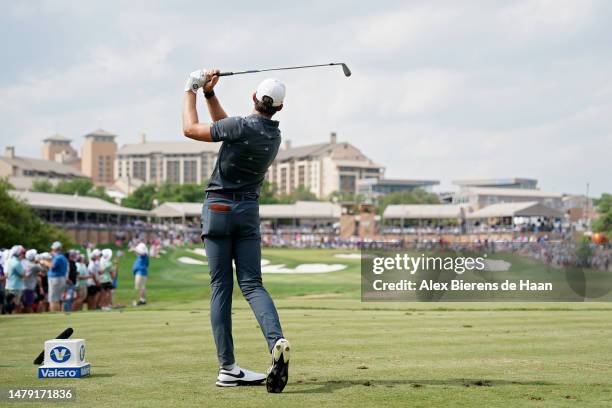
(345, 353)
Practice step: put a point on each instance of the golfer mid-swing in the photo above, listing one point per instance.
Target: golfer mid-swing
(230, 219)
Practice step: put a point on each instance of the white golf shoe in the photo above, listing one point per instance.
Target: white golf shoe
(278, 374)
(238, 376)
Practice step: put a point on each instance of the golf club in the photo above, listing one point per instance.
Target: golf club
(63, 335)
(345, 69)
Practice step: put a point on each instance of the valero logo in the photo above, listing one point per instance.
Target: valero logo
(60, 354)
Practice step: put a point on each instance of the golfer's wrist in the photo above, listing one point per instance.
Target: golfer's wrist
(209, 94)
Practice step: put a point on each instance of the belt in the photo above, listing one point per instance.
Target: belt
(245, 196)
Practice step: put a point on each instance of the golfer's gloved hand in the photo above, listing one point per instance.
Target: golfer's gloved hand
(211, 79)
(196, 80)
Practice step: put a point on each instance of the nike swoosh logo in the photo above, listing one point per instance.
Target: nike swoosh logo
(240, 375)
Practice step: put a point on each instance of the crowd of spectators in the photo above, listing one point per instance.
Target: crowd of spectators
(160, 237)
(477, 227)
(556, 253)
(561, 252)
(568, 253)
(59, 280)
(307, 240)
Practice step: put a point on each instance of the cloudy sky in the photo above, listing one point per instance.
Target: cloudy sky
(441, 90)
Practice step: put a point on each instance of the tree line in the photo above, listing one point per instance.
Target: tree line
(77, 186)
(148, 196)
(603, 223)
(19, 224)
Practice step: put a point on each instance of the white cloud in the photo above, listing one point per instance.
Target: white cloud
(552, 17)
(405, 27)
(104, 73)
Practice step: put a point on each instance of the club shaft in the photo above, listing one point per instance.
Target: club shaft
(253, 71)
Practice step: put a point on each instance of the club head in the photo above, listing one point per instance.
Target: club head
(346, 70)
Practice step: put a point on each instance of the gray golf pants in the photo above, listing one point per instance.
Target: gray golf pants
(230, 230)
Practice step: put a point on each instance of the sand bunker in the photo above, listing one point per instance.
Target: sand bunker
(198, 251)
(191, 261)
(348, 256)
(267, 267)
(303, 268)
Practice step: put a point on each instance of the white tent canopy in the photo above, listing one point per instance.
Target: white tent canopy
(526, 209)
(177, 210)
(422, 211)
(65, 202)
(300, 210)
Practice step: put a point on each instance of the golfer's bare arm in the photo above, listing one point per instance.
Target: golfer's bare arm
(215, 109)
(191, 126)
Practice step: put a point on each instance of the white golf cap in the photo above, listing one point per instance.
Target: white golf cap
(56, 245)
(141, 249)
(272, 88)
(16, 250)
(45, 255)
(31, 255)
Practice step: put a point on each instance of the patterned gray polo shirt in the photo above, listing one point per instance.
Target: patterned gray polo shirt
(249, 147)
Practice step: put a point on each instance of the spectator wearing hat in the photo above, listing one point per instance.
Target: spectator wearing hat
(81, 283)
(14, 278)
(93, 283)
(30, 279)
(42, 299)
(57, 276)
(70, 292)
(141, 273)
(106, 279)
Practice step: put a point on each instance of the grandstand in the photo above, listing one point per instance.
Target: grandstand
(85, 218)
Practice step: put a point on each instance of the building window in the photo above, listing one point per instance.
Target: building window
(347, 184)
(283, 180)
(351, 169)
(101, 168)
(372, 173)
(108, 168)
(173, 171)
(140, 170)
(205, 170)
(153, 168)
(292, 172)
(190, 171)
(301, 176)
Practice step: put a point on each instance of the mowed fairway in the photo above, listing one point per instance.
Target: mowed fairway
(345, 353)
